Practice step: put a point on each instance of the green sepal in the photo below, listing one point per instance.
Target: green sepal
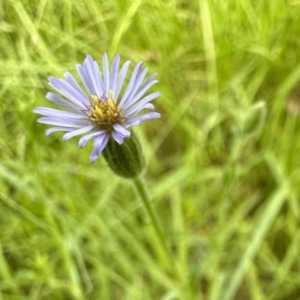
(126, 160)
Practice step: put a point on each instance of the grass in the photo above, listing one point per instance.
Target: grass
(223, 161)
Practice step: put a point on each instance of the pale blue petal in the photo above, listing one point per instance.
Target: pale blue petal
(99, 144)
(94, 76)
(118, 137)
(89, 73)
(84, 140)
(63, 103)
(139, 120)
(119, 128)
(64, 88)
(120, 133)
(127, 116)
(131, 85)
(149, 116)
(132, 122)
(62, 122)
(85, 79)
(127, 102)
(70, 79)
(148, 106)
(114, 73)
(99, 80)
(82, 130)
(120, 80)
(105, 75)
(140, 105)
(55, 129)
(150, 79)
(139, 95)
(50, 112)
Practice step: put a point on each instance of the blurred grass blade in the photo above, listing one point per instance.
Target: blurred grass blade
(259, 233)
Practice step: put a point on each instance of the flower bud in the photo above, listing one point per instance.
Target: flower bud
(126, 160)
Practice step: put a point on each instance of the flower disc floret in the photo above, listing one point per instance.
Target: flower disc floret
(104, 112)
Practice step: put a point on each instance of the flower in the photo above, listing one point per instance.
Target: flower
(102, 113)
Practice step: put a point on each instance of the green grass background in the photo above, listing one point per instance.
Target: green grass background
(223, 161)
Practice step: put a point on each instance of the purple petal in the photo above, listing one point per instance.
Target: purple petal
(114, 73)
(148, 106)
(99, 80)
(54, 129)
(139, 95)
(127, 101)
(83, 141)
(139, 120)
(87, 64)
(73, 133)
(105, 75)
(120, 133)
(131, 85)
(94, 76)
(67, 90)
(118, 137)
(120, 80)
(50, 112)
(99, 144)
(150, 79)
(85, 79)
(132, 122)
(62, 122)
(141, 105)
(149, 116)
(63, 103)
(70, 79)
(119, 128)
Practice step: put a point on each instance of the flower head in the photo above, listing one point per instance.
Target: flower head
(101, 113)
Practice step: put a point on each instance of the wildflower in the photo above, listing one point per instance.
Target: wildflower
(102, 114)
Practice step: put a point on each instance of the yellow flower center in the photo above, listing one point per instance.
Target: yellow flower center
(104, 112)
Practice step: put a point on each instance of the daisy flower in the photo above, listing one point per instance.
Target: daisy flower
(101, 112)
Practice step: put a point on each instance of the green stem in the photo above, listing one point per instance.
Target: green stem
(140, 186)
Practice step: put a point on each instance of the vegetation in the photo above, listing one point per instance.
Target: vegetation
(222, 162)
